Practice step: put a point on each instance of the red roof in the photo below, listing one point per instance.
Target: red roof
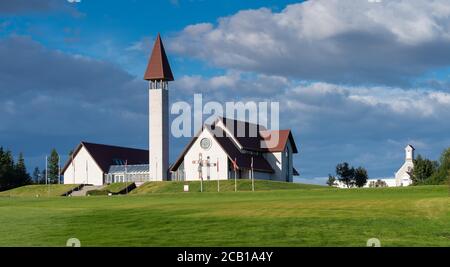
(105, 155)
(283, 137)
(249, 142)
(158, 66)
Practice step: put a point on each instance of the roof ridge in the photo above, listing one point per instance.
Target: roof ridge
(116, 146)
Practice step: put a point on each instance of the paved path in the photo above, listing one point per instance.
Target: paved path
(84, 190)
(139, 183)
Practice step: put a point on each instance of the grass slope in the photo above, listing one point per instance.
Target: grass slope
(41, 190)
(225, 186)
(414, 216)
(114, 189)
(117, 187)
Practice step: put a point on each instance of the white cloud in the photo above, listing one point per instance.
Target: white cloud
(329, 40)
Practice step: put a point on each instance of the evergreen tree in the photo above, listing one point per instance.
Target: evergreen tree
(423, 170)
(12, 175)
(36, 175)
(331, 180)
(43, 177)
(53, 167)
(21, 175)
(6, 170)
(442, 174)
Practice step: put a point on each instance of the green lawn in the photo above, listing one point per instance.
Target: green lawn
(225, 186)
(414, 216)
(54, 190)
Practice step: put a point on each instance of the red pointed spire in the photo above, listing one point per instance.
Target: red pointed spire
(158, 66)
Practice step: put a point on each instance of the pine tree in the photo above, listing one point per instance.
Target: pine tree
(53, 167)
(442, 173)
(12, 175)
(21, 175)
(7, 172)
(331, 180)
(423, 170)
(36, 175)
(43, 176)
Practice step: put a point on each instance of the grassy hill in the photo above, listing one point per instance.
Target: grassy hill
(413, 216)
(225, 186)
(39, 190)
(116, 188)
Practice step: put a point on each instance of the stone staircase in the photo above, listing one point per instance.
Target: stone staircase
(139, 183)
(84, 190)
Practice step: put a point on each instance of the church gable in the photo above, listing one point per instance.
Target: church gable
(207, 144)
(205, 148)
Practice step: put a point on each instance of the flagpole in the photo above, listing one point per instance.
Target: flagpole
(235, 175)
(200, 176)
(73, 166)
(218, 176)
(253, 178)
(87, 173)
(126, 178)
(59, 169)
(46, 176)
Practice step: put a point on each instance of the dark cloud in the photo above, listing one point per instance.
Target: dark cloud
(49, 98)
(14, 7)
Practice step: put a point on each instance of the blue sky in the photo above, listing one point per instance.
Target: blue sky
(357, 81)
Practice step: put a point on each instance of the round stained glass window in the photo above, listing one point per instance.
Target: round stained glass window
(205, 143)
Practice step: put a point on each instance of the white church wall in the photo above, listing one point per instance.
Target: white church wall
(86, 170)
(158, 134)
(276, 162)
(282, 164)
(402, 176)
(390, 182)
(215, 152)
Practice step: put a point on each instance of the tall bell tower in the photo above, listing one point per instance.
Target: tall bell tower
(158, 75)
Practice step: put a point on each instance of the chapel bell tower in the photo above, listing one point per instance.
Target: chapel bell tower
(409, 153)
(158, 75)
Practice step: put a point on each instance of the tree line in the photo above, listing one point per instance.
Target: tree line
(14, 173)
(431, 172)
(425, 172)
(349, 176)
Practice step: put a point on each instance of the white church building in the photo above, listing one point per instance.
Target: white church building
(402, 176)
(220, 151)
